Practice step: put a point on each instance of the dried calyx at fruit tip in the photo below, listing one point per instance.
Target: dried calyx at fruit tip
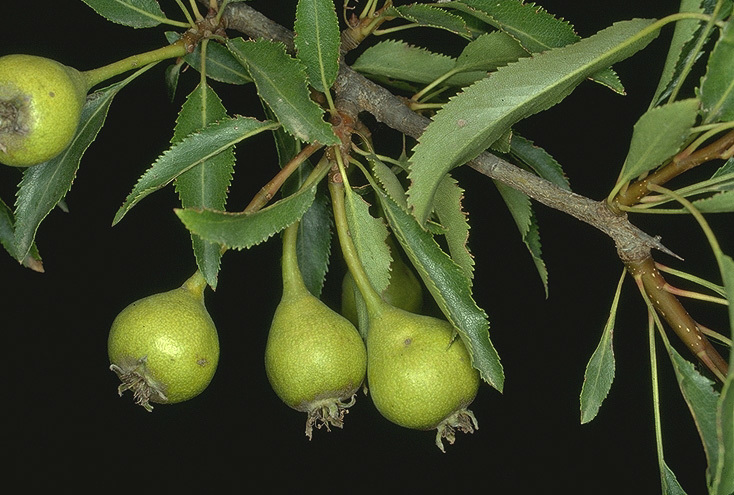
(314, 358)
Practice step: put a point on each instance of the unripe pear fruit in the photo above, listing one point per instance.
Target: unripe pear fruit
(315, 359)
(419, 372)
(404, 291)
(40, 106)
(165, 347)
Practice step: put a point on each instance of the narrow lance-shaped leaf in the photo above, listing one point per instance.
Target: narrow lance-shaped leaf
(539, 160)
(489, 51)
(7, 238)
(317, 41)
(534, 27)
(455, 222)
(206, 184)
(430, 16)
(722, 202)
(191, 151)
(658, 135)
(220, 63)
(398, 60)
(473, 120)
(450, 288)
(671, 485)
(599, 373)
(717, 86)
(369, 234)
(281, 83)
(244, 230)
(522, 212)
(723, 474)
(702, 399)
(133, 13)
(680, 50)
(313, 242)
(44, 185)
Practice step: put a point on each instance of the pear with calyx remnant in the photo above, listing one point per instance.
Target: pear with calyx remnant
(419, 373)
(40, 106)
(314, 358)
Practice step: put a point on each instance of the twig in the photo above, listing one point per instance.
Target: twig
(355, 94)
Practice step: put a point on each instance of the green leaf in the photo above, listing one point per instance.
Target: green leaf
(369, 235)
(455, 223)
(317, 41)
(539, 160)
(658, 135)
(133, 13)
(44, 185)
(702, 400)
(488, 52)
(680, 51)
(473, 120)
(535, 28)
(244, 230)
(450, 288)
(722, 202)
(281, 83)
(599, 373)
(388, 180)
(206, 184)
(670, 483)
(314, 244)
(191, 151)
(717, 86)
(220, 63)
(522, 211)
(399, 60)
(430, 16)
(722, 482)
(7, 236)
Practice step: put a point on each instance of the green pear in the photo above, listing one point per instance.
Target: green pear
(419, 372)
(165, 347)
(314, 358)
(40, 106)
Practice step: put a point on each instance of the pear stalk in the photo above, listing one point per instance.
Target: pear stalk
(374, 302)
(94, 77)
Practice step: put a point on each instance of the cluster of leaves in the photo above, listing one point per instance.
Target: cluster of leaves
(518, 60)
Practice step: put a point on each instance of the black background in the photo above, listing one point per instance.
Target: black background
(70, 429)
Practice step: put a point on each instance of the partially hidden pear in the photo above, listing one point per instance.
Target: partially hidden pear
(314, 358)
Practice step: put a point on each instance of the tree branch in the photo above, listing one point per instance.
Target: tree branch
(355, 94)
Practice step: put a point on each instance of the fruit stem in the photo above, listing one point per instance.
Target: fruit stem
(293, 284)
(196, 284)
(374, 302)
(95, 76)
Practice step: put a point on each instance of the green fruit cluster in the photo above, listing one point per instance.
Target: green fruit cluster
(165, 347)
(40, 106)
